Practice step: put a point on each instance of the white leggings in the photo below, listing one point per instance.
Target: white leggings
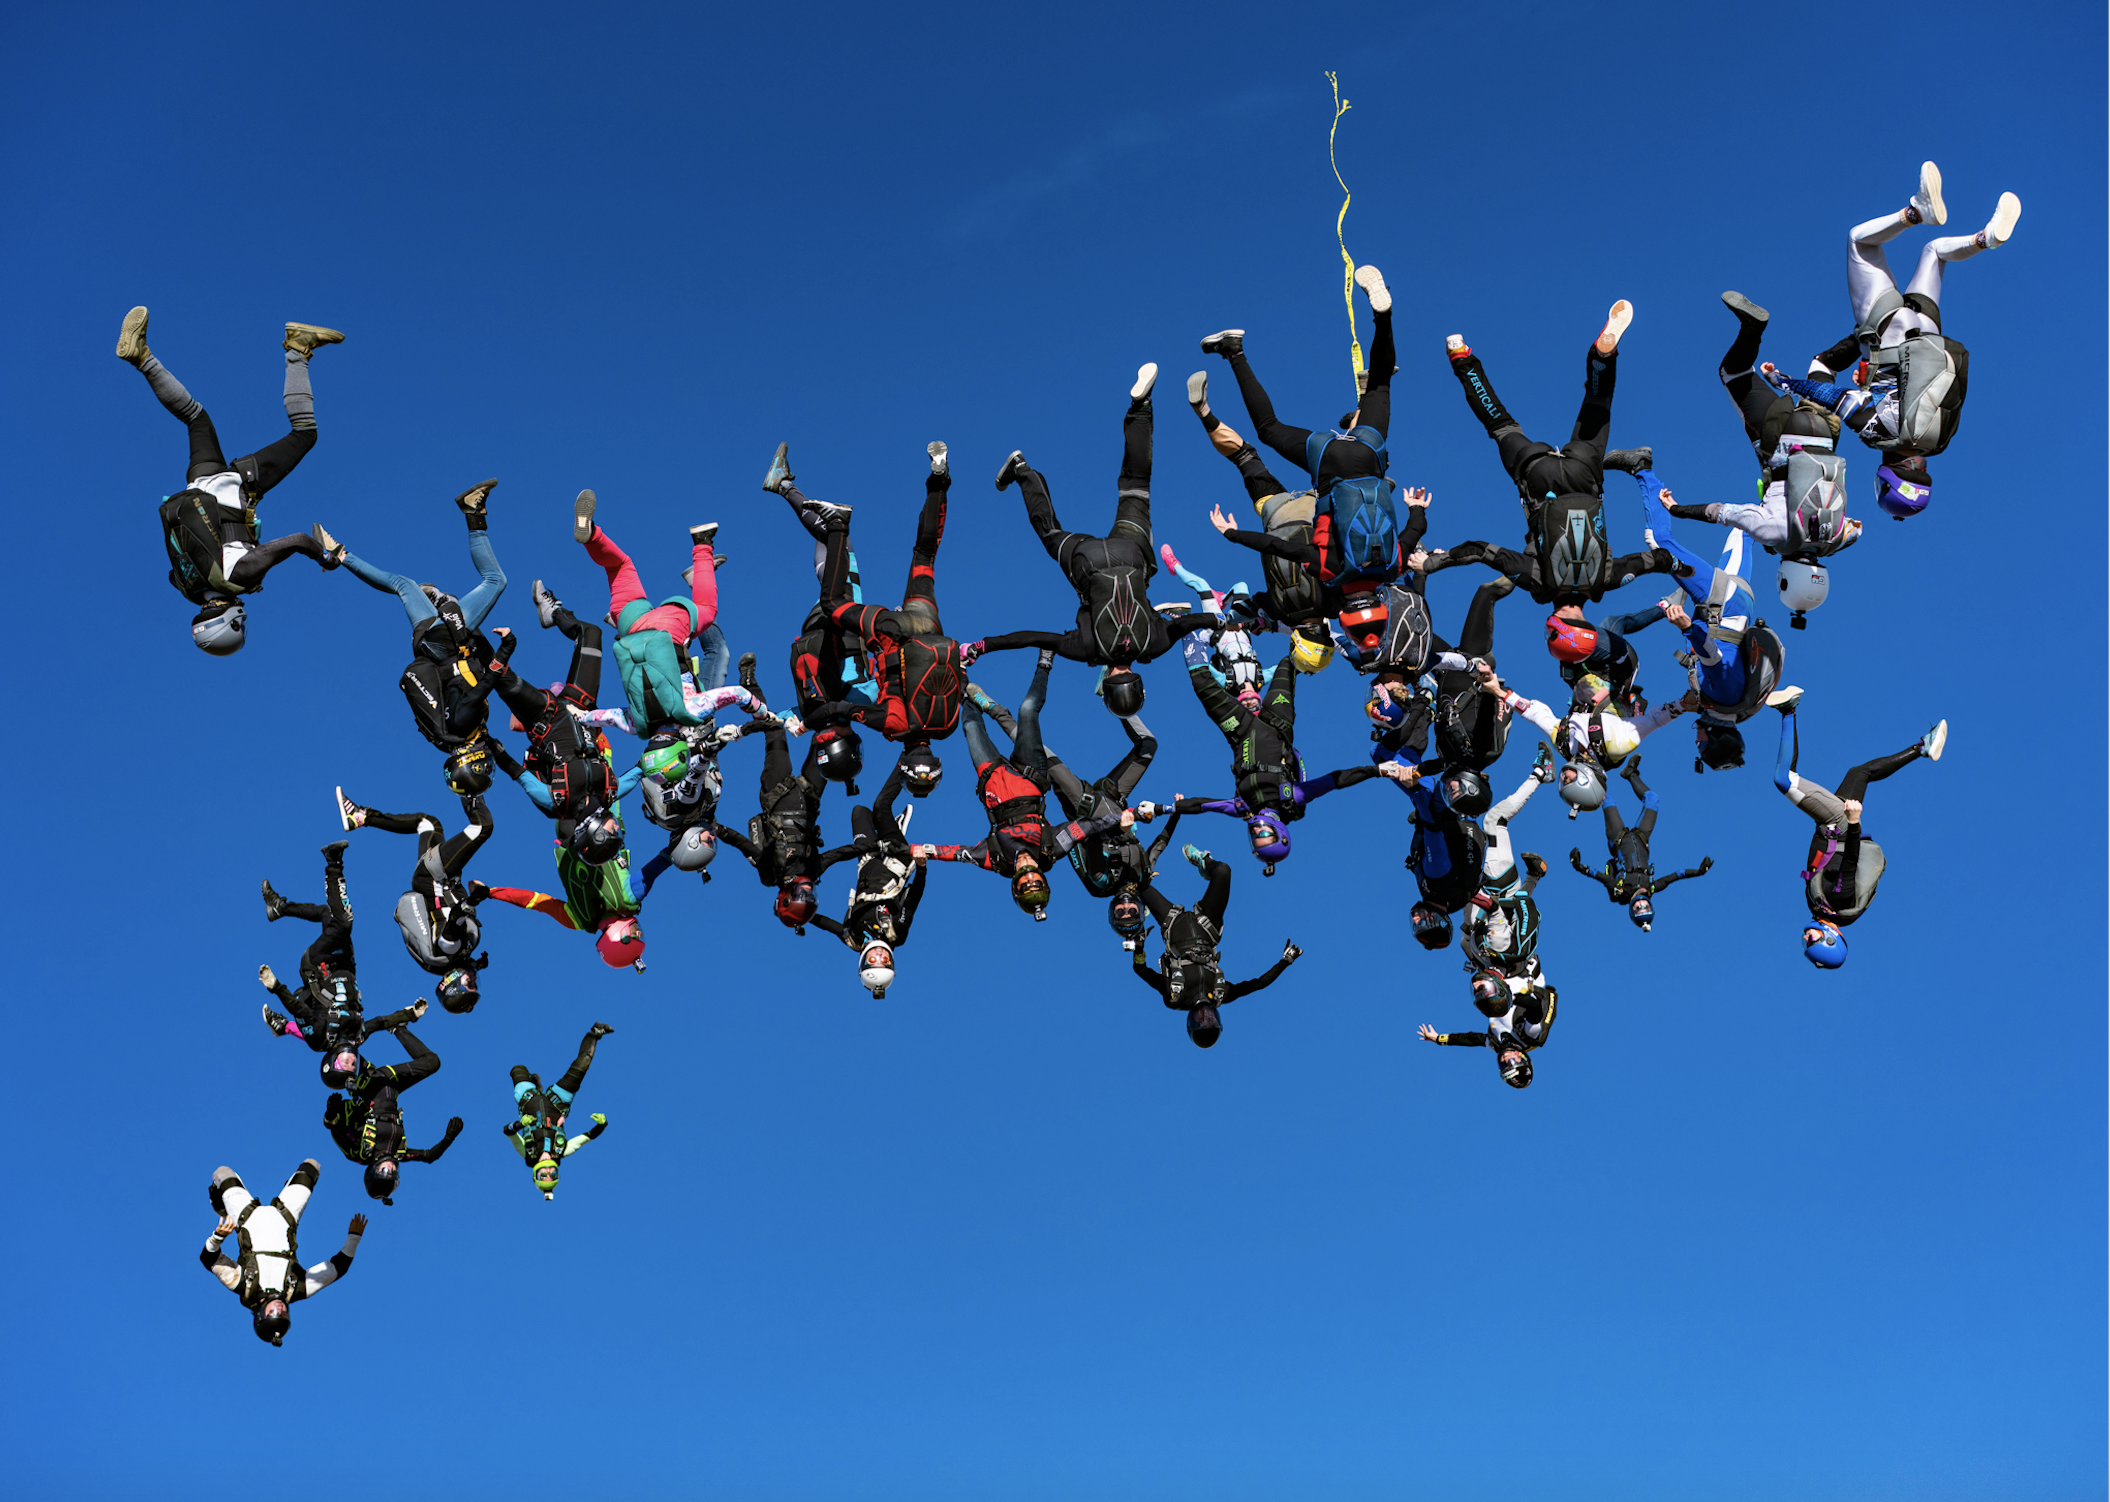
(1868, 273)
(1500, 860)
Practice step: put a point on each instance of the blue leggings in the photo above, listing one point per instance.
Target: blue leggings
(1790, 749)
(476, 604)
(1659, 521)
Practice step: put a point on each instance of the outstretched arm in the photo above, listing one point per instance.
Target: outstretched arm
(1602, 878)
(1701, 869)
(1145, 974)
(433, 1153)
(1268, 978)
(1455, 1040)
(322, 1274)
(217, 1262)
(1159, 846)
(737, 840)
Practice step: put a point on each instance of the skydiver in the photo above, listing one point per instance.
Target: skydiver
(366, 1121)
(1519, 1016)
(1628, 878)
(537, 1132)
(265, 1274)
(652, 641)
(1190, 974)
(437, 915)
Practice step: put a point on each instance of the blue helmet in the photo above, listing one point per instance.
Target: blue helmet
(1828, 950)
(1903, 488)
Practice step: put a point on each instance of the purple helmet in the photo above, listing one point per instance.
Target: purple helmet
(1270, 834)
(1903, 488)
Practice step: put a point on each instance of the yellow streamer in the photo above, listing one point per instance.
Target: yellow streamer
(1355, 345)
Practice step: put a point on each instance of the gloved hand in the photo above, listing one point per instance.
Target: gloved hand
(599, 1119)
(1290, 951)
(454, 1127)
(1706, 863)
(969, 651)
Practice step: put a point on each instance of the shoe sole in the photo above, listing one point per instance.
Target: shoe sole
(1938, 740)
(1213, 344)
(582, 517)
(1784, 697)
(132, 336)
(482, 491)
(2002, 224)
(1744, 307)
(1372, 281)
(1935, 211)
(1004, 476)
(779, 471)
(1616, 323)
(939, 462)
(1198, 389)
(548, 616)
(1146, 378)
(343, 815)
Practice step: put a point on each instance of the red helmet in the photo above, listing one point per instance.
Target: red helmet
(795, 904)
(1570, 641)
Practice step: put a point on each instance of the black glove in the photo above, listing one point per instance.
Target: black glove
(1706, 864)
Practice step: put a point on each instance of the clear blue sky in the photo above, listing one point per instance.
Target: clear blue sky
(1755, 1232)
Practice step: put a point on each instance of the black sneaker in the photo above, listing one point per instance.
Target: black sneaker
(1630, 461)
(748, 680)
(1013, 463)
(274, 905)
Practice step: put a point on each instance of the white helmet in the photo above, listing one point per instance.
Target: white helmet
(218, 628)
(1803, 587)
(875, 967)
(694, 850)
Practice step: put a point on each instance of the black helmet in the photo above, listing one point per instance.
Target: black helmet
(920, 768)
(381, 1180)
(272, 1327)
(1123, 691)
(339, 1066)
(1721, 746)
(1516, 1067)
(1030, 890)
(1466, 792)
(1125, 912)
(596, 838)
(1204, 1025)
(840, 754)
(1432, 926)
(458, 991)
(1491, 993)
(469, 769)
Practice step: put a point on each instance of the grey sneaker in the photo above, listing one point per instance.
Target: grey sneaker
(546, 606)
(1013, 463)
(306, 338)
(779, 473)
(582, 517)
(132, 337)
(938, 461)
(276, 1021)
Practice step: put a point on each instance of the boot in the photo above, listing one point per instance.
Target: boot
(306, 338)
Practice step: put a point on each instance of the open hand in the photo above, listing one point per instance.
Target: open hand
(225, 1228)
(1417, 497)
(1426, 1033)
(1219, 521)
(358, 1226)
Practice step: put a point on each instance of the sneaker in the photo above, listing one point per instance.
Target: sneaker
(779, 474)
(2002, 224)
(306, 338)
(1542, 763)
(472, 500)
(1785, 699)
(546, 606)
(333, 853)
(938, 462)
(274, 906)
(1933, 741)
(1196, 857)
(132, 337)
(276, 1021)
(1198, 393)
(700, 537)
(1372, 281)
(600, 1030)
(747, 677)
(418, 1008)
(1013, 463)
(1927, 201)
(265, 978)
(980, 697)
(1745, 309)
(1146, 378)
(1534, 863)
(349, 814)
(1630, 461)
(1225, 342)
(1616, 323)
(1632, 770)
(332, 549)
(582, 517)
(828, 511)
(1455, 346)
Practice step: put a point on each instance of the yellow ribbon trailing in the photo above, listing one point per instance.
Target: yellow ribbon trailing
(1355, 345)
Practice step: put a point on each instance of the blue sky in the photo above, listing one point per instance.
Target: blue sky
(1754, 1232)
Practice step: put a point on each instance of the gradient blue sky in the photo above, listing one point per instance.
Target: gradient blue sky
(1755, 1232)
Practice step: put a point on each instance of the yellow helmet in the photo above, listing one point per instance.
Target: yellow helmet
(1307, 655)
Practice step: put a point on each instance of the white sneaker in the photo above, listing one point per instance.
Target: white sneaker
(1372, 281)
(1615, 325)
(1933, 741)
(936, 449)
(2002, 224)
(1785, 699)
(1928, 199)
(1146, 377)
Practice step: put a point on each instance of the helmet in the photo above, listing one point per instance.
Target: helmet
(596, 838)
(1030, 890)
(1903, 488)
(1205, 1025)
(1591, 691)
(458, 990)
(545, 1172)
(1363, 619)
(272, 1327)
(1432, 926)
(1270, 836)
(1491, 995)
(840, 754)
(920, 769)
(795, 904)
(1642, 910)
(1721, 746)
(1125, 912)
(875, 968)
(693, 849)
(468, 768)
(1466, 792)
(1570, 641)
(666, 757)
(1803, 586)
(1309, 654)
(1516, 1068)
(218, 628)
(1123, 691)
(1828, 950)
(620, 943)
(381, 1180)
(339, 1067)
(1585, 789)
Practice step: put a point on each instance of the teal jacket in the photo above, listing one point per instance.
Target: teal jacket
(653, 658)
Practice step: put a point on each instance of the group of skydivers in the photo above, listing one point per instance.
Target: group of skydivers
(1345, 567)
